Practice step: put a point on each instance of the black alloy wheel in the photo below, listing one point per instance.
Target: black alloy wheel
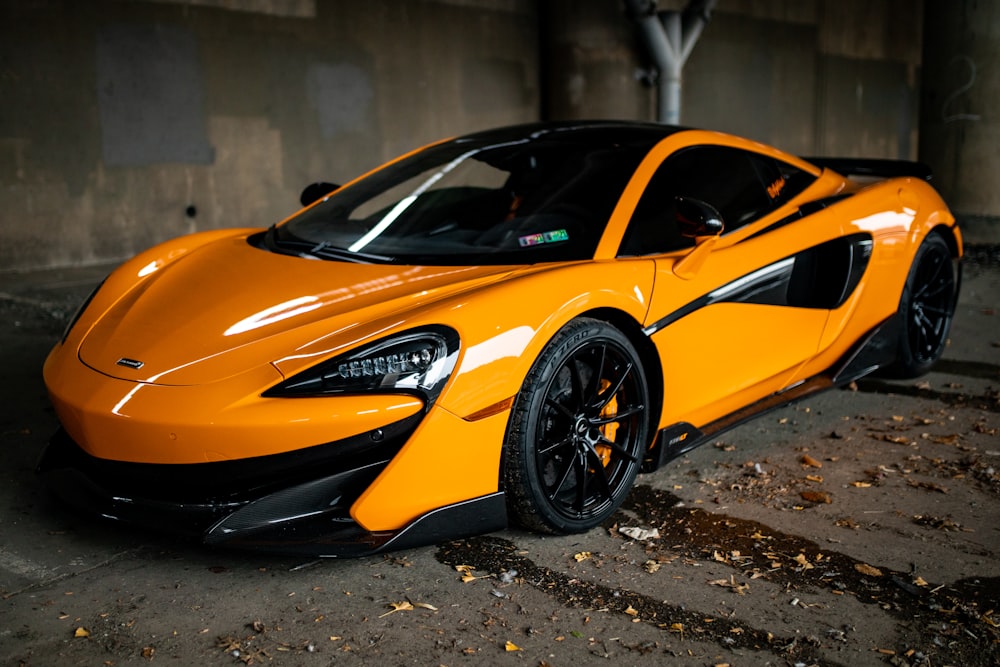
(578, 430)
(926, 308)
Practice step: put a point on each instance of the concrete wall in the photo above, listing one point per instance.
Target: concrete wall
(960, 121)
(830, 77)
(124, 123)
(127, 123)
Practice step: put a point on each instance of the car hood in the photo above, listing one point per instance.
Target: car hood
(228, 307)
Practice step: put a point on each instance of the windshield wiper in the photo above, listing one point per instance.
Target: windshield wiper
(321, 250)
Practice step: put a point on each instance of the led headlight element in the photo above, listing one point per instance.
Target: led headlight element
(418, 361)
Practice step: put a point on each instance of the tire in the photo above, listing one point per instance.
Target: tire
(578, 430)
(926, 309)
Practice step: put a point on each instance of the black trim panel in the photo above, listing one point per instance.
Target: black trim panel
(823, 276)
(804, 211)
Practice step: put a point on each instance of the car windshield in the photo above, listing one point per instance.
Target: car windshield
(494, 198)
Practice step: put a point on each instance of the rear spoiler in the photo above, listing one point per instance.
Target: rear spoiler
(874, 167)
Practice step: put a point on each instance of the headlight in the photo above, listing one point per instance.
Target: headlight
(417, 361)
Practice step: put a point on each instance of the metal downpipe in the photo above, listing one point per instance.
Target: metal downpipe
(670, 38)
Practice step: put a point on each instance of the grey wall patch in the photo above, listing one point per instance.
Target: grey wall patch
(341, 95)
(150, 96)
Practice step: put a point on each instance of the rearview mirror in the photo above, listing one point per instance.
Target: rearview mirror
(697, 219)
(316, 191)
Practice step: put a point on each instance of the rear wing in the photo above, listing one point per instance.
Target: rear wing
(873, 167)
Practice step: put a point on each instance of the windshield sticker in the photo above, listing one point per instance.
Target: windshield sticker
(546, 237)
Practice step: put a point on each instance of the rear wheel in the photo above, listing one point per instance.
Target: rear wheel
(577, 431)
(926, 308)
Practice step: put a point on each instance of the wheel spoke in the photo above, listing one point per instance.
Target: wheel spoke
(612, 390)
(618, 449)
(594, 390)
(576, 382)
(600, 473)
(553, 403)
(562, 479)
(601, 421)
(567, 441)
(581, 483)
(934, 310)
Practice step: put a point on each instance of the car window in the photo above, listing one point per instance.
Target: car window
(537, 199)
(741, 185)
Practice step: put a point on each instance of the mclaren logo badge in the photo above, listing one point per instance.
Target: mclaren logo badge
(131, 363)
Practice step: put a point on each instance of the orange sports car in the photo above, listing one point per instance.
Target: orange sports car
(510, 324)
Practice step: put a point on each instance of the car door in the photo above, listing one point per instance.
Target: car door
(734, 330)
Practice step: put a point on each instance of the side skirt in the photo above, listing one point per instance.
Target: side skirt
(876, 350)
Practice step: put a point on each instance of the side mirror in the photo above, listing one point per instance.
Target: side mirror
(700, 221)
(697, 219)
(316, 191)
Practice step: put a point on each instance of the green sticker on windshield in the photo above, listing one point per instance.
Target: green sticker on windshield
(545, 237)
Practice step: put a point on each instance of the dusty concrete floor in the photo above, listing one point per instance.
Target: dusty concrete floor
(857, 528)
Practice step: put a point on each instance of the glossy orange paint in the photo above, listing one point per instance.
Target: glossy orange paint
(242, 320)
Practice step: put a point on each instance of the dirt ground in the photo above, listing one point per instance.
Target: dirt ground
(856, 528)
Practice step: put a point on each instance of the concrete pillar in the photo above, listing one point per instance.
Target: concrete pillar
(959, 123)
(591, 63)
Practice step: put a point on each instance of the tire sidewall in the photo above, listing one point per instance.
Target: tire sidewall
(521, 475)
(908, 365)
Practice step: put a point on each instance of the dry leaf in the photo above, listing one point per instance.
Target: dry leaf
(803, 561)
(868, 569)
(631, 611)
(424, 605)
(511, 646)
(582, 556)
(741, 589)
(811, 462)
(466, 571)
(81, 633)
(931, 486)
(651, 566)
(398, 606)
(816, 497)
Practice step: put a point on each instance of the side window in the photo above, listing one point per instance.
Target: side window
(793, 181)
(741, 185)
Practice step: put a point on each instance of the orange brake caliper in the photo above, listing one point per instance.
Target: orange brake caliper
(608, 430)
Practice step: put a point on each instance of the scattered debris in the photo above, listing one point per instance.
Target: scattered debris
(640, 534)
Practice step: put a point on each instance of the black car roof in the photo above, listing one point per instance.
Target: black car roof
(583, 132)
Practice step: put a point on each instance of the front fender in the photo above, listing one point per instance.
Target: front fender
(504, 327)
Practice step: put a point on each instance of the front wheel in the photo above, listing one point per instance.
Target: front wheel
(926, 308)
(577, 431)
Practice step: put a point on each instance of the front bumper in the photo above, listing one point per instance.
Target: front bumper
(296, 503)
